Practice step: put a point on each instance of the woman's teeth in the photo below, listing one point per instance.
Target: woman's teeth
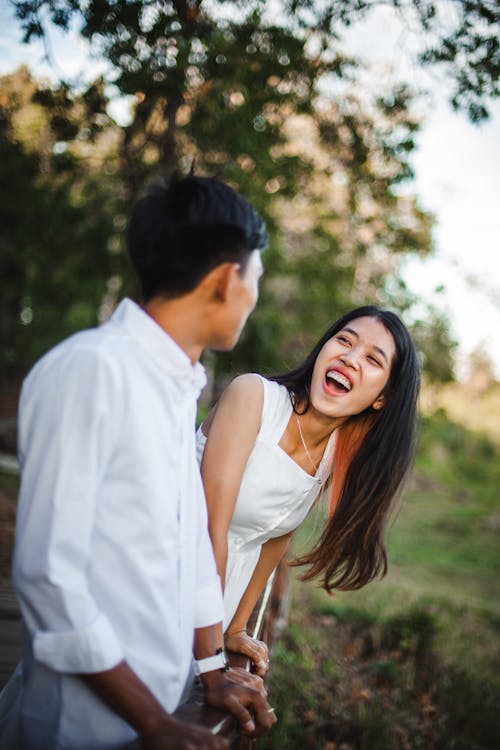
(339, 379)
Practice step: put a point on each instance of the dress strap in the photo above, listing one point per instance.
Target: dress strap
(276, 410)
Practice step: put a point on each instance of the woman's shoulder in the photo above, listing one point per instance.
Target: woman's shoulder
(237, 412)
(264, 402)
(247, 389)
(249, 382)
(261, 390)
(276, 408)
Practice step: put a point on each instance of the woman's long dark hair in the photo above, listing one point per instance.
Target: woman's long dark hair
(373, 454)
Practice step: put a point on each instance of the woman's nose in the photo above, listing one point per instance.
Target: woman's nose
(350, 358)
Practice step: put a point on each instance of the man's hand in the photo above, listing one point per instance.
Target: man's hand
(246, 678)
(126, 694)
(242, 643)
(176, 735)
(247, 704)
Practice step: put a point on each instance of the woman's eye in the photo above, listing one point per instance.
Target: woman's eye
(374, 360)
(343, 339)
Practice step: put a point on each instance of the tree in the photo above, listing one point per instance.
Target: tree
(239, 94)
(58, 215)
(459, 35)
(480, 370)
(433, 338)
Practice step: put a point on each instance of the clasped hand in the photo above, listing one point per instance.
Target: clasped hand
(244, 697)
(241, 643)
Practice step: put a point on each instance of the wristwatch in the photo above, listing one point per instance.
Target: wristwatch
(211, 663)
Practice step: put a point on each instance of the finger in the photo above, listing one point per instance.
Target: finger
(248, 679)
(264, 724)
(265, 650)
(256, 683)
(258, 654)
(264, 714)
(244, 716)
(262, 667)
(260, 646)
(222, 743)
(261, 664)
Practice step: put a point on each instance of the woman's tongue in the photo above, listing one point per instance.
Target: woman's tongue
(334, 385)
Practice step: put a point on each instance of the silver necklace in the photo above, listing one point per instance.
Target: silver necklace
(304, 444)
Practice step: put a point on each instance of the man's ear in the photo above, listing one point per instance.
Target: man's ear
(379, 403)
(222, 279)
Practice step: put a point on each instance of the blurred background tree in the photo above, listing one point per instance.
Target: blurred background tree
(59, 212)
(257, 94)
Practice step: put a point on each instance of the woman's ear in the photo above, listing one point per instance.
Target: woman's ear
(379, 403)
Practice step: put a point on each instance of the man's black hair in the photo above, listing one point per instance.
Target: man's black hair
(177, 235)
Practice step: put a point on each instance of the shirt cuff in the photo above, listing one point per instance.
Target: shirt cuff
(209, 608)
(91, 649)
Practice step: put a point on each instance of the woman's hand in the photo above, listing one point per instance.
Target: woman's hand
(240, 642)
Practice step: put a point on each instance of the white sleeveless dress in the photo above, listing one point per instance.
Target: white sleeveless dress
(274, 498)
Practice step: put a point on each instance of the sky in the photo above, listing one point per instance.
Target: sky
(457, 178)
(457, 170)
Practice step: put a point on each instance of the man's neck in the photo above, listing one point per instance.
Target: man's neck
(179, 318)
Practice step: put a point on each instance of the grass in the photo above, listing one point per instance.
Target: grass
(412, 661)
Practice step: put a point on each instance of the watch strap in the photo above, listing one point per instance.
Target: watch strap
(211, 663)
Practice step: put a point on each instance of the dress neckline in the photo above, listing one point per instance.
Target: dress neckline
(317, 477)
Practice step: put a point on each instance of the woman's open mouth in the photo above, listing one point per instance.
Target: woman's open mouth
(337, 382)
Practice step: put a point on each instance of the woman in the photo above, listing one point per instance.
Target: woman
(343, 419)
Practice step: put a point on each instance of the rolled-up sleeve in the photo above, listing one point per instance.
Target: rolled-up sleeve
(67, 419)
(209, 605)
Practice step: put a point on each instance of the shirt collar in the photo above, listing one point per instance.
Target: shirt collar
(159, 345)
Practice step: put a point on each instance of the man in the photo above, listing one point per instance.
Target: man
(113, 565)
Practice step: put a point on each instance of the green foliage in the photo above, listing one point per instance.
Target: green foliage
(58, 216)
(372, 684)
(460, 36)
(432, 337)
(137, 36)
(241, 94)
(444, 561)
(380, 668)
(411, 632)
(465, 461)
(475, 403)
(470, 711)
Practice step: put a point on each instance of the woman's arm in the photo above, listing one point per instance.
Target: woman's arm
(231, 431)
(236, 638)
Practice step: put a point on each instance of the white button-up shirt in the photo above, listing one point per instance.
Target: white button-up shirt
(113, 559)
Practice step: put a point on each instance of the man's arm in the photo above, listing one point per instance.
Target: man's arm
(67, 421)
(248, 704)
(122, 690)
